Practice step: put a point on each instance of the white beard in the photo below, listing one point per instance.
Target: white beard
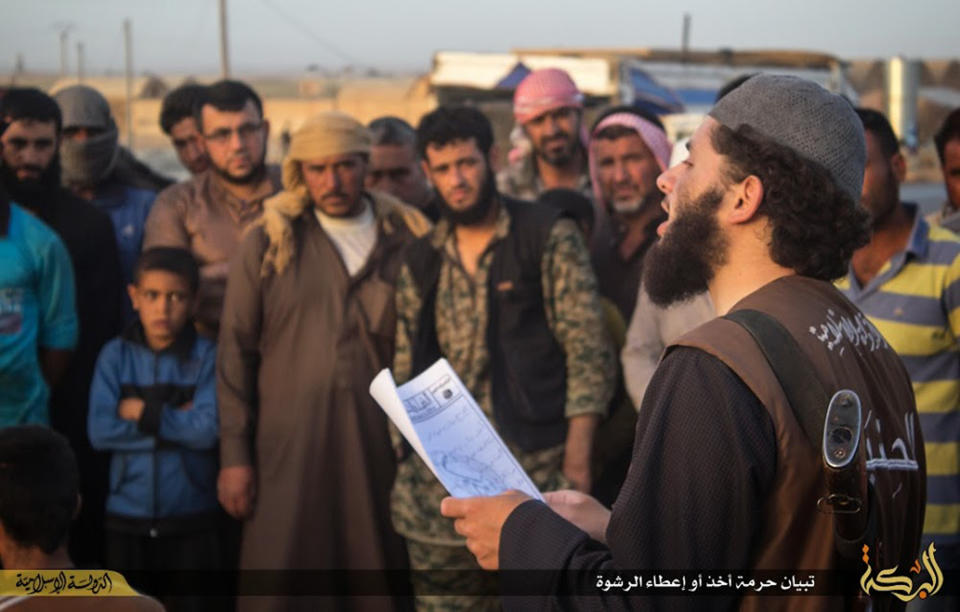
(627, 207)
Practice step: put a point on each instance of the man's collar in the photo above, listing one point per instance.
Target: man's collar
(919, 234)
(583, 183)
(268, 185)
(109, 192)
(947, 209)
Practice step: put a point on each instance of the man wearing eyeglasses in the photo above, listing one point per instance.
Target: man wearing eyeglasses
(208, 214)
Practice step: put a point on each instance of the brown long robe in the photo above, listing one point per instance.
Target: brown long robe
(297, 353)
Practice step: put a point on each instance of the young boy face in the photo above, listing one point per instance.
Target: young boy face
(164, 302)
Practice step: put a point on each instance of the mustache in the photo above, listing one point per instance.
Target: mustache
(30, 167)
(564, 138)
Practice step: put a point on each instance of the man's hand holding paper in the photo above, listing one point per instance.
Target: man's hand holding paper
(446, 427)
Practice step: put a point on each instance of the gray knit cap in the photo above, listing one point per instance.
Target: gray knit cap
(84, 106)
(801, 115)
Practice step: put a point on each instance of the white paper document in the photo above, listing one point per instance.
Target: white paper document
(444, 424)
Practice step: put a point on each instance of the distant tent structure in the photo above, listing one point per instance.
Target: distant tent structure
(512, 80)
(660, 81)
(458, 76)
(650, 95)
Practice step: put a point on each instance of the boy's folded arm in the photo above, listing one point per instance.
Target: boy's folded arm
(106, 429)
(194, 426)
(149, 422)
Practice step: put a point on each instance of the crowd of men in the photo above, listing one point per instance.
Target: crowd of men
(205, 348)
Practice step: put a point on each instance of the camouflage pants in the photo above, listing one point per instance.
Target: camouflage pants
(448, 579)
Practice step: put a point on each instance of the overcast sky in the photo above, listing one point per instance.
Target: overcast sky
(288, 35)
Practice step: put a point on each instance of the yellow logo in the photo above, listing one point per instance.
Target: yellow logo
(72, 583)
(902, 587)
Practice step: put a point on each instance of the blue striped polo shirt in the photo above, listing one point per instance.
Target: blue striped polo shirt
(914, 301)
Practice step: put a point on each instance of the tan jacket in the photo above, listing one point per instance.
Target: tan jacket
(202, 216)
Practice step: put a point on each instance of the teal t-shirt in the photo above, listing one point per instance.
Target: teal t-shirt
(37, 309)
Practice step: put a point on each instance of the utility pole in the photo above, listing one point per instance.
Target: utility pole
(128, 52)
(685, 40)
(224, 47)
(19, 70)
(81, 68)
(64, 33)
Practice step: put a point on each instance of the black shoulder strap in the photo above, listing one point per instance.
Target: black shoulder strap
(424, 263)
(530, 227)
(792, 368)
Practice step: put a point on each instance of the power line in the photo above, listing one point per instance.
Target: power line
(298, 24)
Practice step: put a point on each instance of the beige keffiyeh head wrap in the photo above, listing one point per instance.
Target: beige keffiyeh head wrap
(326, 134)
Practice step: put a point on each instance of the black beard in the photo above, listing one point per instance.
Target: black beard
(561, 158)
(884, 202)
(682, 263)
(31, 193)
(250, 177)
(478, 212)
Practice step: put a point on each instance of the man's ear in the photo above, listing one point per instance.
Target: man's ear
(266, 130)
(194, 305)
(493, 158)
(749, 194)
(132, 292)
(899, 165)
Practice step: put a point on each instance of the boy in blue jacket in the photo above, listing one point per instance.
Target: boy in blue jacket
(153, 405)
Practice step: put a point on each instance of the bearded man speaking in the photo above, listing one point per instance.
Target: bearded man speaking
(764, 214)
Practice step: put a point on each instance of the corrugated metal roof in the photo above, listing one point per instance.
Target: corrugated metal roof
(486, 70)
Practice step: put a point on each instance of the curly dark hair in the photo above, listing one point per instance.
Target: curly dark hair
(28, 103)
(447, 124)
(816, 225)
